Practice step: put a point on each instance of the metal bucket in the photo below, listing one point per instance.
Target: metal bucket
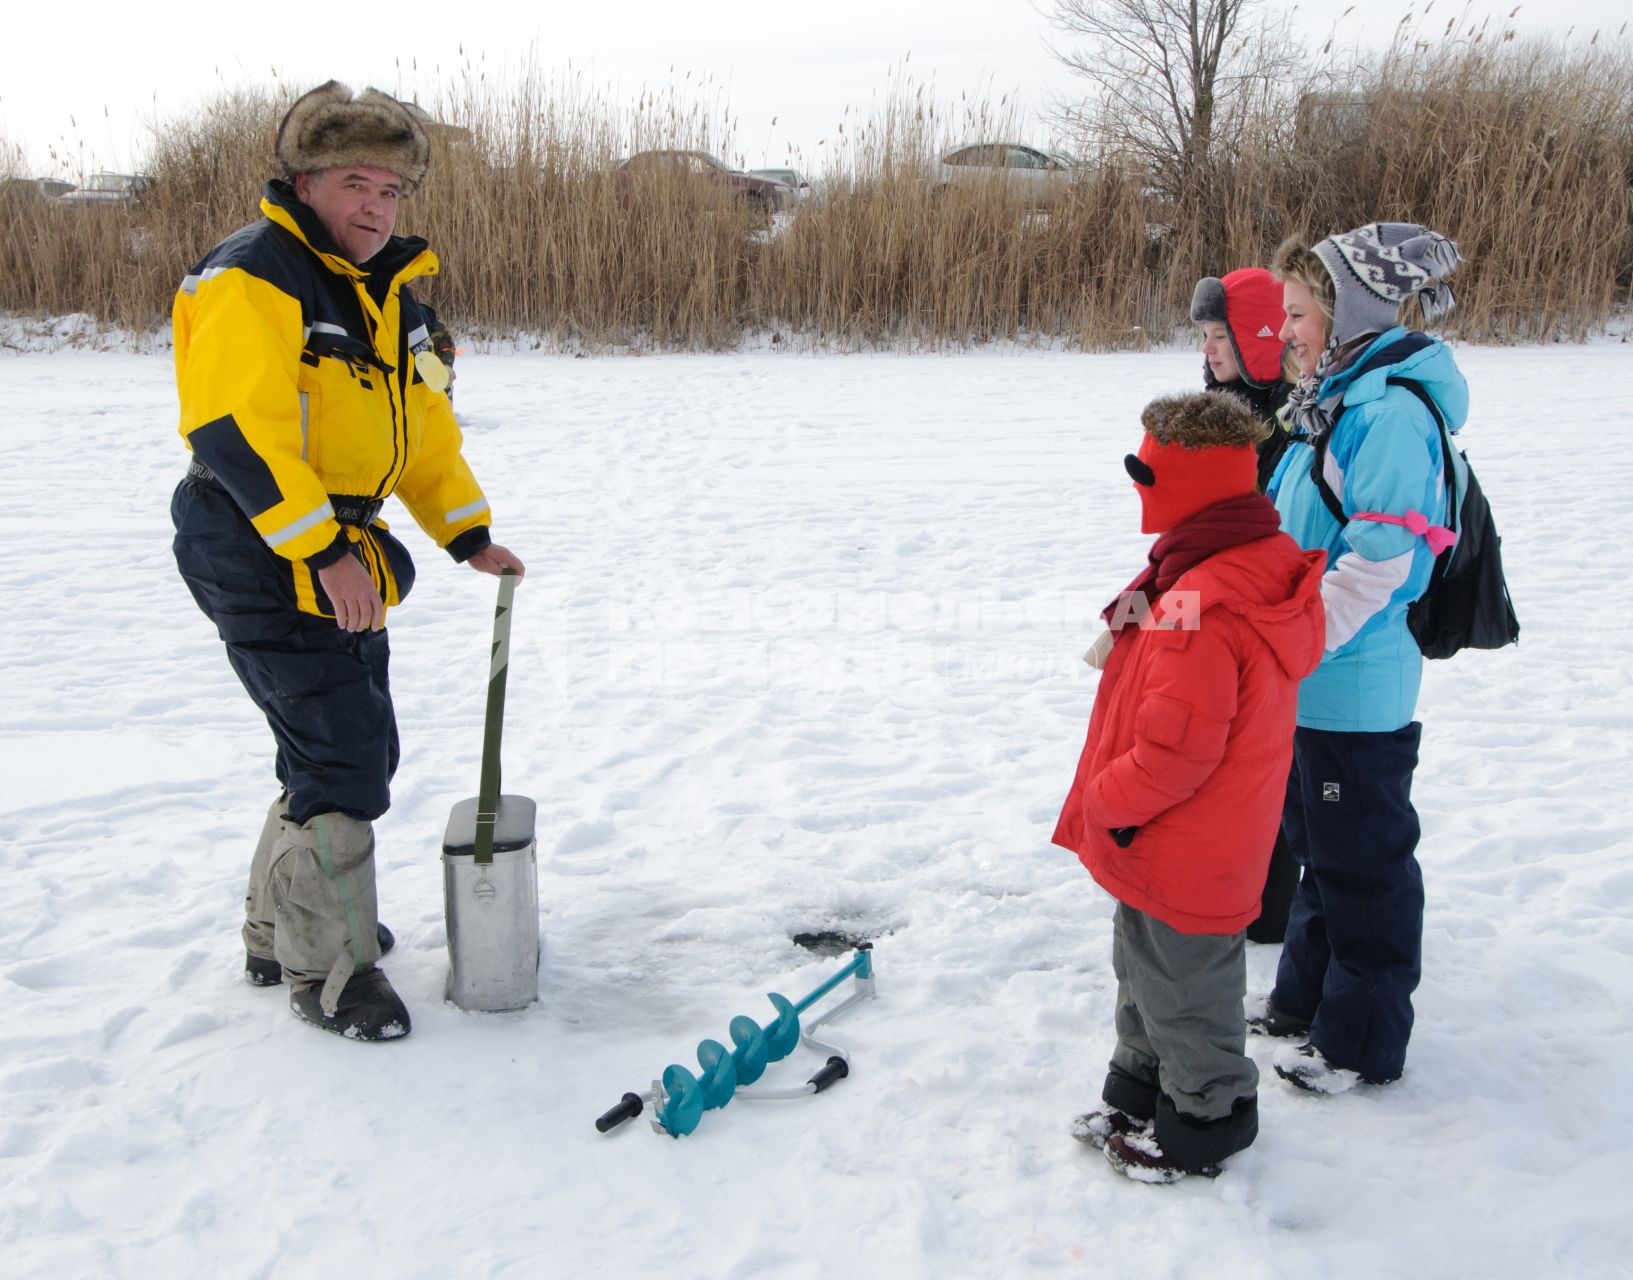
(492, 909)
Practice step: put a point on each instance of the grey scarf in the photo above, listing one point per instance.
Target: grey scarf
(1307, 409)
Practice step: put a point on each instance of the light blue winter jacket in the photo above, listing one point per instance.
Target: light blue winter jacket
(1384, 456)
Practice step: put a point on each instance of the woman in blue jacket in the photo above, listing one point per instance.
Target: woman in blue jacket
(1354, 937)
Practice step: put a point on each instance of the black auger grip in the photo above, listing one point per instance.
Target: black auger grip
(836, 1069)
(629, 1106)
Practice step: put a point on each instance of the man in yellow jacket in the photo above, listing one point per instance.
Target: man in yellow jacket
(310, 392)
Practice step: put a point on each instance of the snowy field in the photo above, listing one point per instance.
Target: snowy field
(798, 649)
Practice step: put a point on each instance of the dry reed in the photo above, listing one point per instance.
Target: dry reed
(1521, 152)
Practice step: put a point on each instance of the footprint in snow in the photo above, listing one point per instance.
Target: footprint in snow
(190, 1027)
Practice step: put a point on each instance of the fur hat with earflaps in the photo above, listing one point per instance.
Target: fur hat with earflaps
(1248, 303)
(329, 128)
(1198, 450)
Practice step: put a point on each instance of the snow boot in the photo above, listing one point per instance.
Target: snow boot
(367, 1009)
(1137, 1155)
(1305, 1067)
(1099, 1126)
(1264, 1019)
(265, 971)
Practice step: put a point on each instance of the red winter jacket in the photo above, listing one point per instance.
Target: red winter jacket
(1191, 738)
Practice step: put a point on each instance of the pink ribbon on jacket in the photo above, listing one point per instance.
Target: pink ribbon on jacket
(1438, 536)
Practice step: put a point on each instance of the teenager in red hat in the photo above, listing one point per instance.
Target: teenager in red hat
(1239, 318)
(1180, 786)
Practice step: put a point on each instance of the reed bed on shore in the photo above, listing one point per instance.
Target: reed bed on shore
(1522, 152)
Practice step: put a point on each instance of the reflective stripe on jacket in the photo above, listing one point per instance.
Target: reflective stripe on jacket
(297, 376)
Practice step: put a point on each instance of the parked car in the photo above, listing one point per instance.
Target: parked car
(1039, 177)
(108, 188)
(793, 179)
(762, 195)
(34, 188)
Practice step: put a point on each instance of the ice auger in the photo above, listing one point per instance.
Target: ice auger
(680, 1098)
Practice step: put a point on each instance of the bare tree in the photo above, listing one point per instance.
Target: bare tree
(1172, 80)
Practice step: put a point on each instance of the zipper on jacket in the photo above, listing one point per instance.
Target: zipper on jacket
(374, 319)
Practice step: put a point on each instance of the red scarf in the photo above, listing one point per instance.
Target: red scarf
(1226, 524)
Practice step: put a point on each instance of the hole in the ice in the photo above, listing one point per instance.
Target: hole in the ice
(829, 942)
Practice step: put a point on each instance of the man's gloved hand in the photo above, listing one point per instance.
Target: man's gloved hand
(1122, 837)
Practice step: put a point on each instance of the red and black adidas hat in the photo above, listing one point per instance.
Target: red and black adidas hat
(1248, 303)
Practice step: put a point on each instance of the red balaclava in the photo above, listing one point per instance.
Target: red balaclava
(1198, 450)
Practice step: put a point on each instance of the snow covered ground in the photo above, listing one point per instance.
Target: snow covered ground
(798, 649)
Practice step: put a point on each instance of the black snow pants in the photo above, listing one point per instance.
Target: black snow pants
(1280, 884)
(1353, 952)
(325, 692)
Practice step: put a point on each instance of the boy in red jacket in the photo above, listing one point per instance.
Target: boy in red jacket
(1179, 789)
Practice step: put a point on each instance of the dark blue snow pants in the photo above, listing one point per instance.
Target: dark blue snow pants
(1353, 952)
(326, 693)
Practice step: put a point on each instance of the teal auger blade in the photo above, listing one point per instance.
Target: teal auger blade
(683, 1102)
(750, 1054)
(719, 1078)
(783, 1033)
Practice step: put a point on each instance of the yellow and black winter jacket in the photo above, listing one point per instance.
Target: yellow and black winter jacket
(302, 381)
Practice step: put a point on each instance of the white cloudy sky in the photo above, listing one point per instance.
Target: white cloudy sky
(90, 74)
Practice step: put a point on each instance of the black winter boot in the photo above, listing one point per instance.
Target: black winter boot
(368, 1008)
(264, 971)
(1267, 1020)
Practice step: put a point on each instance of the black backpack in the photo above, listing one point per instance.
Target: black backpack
(1466, 604)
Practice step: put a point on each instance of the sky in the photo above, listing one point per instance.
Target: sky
(786, 72)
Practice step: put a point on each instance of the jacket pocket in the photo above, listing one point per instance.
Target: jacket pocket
(1162, 720)
(348, 424)
(1179, 744)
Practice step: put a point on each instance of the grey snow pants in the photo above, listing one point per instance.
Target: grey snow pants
(1181, 1055)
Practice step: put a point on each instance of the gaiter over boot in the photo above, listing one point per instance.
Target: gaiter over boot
(322, 880)
(261, 966)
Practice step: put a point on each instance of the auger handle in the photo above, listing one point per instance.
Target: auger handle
(493, 720)
(836, 1069)
(629, 1106)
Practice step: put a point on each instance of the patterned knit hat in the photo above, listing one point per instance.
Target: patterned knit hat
(1377, 267)
(1198, 450)
(1248, 303)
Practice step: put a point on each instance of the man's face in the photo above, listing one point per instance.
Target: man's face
(357, 206)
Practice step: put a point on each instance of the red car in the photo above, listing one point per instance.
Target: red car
(760, 194)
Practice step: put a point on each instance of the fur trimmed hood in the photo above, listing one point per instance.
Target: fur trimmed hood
(1202, 421)
(330, 127)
